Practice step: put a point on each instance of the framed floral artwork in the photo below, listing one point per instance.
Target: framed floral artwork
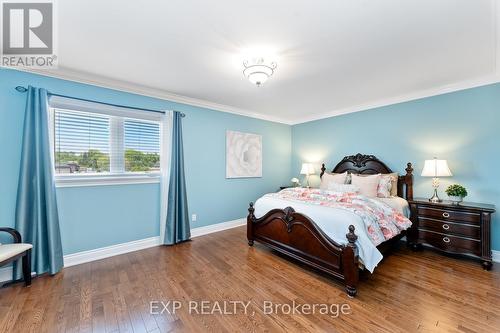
(243, 155)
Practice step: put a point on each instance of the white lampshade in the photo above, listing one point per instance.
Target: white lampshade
(436, 168)
(258, 78)
(307, 169)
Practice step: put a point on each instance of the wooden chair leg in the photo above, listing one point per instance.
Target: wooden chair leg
(27, 268)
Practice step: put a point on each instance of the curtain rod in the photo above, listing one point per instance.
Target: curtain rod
(24, 89)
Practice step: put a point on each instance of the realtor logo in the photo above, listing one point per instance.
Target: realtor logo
(28, 34)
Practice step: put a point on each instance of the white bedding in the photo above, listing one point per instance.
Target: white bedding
(335, 222)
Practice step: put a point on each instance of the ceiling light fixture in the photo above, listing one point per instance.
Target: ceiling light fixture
(258, 71)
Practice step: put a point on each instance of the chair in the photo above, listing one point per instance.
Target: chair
(12, 252)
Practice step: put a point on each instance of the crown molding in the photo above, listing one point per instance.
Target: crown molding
(104, 82)
(483, 81)
(95, 80)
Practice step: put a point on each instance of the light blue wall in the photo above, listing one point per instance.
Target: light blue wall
(462, 127)
(93, 217)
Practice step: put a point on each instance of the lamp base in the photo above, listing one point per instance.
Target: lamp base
(435, 198)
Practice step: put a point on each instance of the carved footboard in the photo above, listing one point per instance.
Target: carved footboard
(297, 236)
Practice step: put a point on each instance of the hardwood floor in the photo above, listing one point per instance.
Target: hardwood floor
(409, 292)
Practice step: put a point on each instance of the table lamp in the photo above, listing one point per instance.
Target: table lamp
(436, 168)
(307, 169)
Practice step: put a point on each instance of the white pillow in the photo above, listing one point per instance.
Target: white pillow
(328, 178)
(368, 185)
(344, 188)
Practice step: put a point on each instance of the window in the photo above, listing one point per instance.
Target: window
(96, 143)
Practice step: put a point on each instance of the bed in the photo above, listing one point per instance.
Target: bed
(298, 236)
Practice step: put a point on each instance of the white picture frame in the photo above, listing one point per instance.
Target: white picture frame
(243, 155)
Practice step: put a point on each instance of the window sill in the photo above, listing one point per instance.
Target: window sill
(102, 180)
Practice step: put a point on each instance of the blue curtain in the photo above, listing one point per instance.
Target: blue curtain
(36, 208)
(177, 227)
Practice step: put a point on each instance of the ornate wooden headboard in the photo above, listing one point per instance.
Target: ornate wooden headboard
(369, 165)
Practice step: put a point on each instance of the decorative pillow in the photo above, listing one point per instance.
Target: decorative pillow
(368, 185)
(344, 188)
(394, 182)
(328, 178)
(384, 186)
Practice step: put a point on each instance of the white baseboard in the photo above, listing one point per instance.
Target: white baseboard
(109, 251)
(114, 250)
(495, 255)
(200, 231)
(5, 274)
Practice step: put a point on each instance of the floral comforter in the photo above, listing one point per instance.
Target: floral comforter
(382, 222)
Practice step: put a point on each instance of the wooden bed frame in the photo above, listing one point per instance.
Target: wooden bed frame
(298, 237)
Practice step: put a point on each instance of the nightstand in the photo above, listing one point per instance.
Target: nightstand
(458, 229)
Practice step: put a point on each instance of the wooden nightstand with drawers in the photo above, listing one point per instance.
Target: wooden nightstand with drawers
(458, 229)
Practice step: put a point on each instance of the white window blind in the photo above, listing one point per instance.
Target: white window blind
(142, 146)
(81, 142)
(99, 144)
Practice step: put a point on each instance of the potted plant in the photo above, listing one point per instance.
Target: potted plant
(456, 193)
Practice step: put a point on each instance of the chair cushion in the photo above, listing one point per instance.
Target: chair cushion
(11, 250)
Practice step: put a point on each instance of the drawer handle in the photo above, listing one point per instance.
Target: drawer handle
(446, 239)
(446, 227)
(445, 214)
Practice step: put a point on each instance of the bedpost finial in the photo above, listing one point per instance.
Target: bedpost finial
(351, 236)
(409, 181)
(251, 210)
(323, 169)
(409, 168)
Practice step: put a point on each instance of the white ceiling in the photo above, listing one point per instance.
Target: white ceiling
(334, 56)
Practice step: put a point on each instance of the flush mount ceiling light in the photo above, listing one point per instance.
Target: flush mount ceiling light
(258, 70)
